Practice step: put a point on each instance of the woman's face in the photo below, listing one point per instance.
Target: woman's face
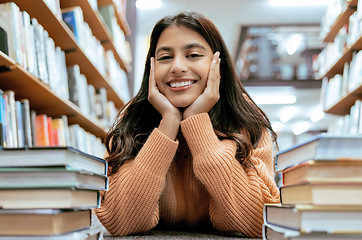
(183, 59)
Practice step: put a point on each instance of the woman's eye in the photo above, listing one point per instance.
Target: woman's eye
(164, 58)
(194, 55)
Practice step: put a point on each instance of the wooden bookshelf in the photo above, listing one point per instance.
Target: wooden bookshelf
(121, 18)
(343, 106)
(337, 68)
(65, 39)
(342, 19)
(42, 99)
(98, 26)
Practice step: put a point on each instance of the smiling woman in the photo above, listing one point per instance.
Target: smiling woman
(191, 151)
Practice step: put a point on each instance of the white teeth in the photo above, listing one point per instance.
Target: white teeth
(180, 84)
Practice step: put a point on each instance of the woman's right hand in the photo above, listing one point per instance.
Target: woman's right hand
(171, 115)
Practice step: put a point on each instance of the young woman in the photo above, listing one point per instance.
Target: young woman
(191, 150)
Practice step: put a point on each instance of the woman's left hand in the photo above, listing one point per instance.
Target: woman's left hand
(210, 96)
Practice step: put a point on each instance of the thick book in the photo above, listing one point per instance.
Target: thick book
(323, 171)
(91, 233)
(51, 177)
(272, 232)
(309, 218)
(52, 156)
(333, 193)
(49, 198)
(322, 147)
(31, 222)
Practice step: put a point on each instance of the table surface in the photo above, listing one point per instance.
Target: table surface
(157, 234)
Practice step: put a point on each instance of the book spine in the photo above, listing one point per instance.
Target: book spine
(25, 106)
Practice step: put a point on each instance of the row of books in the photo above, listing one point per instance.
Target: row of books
(92, 102)
(31, 47)
(339, 86)
(345, 38)
(29, 44)
(350, 123)
(91, 46)
(103, 59)
(123, 47)
(21, 127)
(321, 191)
(334, 10)
(50, 193)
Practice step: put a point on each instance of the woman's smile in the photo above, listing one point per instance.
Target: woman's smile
(183, 59)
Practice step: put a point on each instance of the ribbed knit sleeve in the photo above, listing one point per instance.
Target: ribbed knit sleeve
(237, 195)
(131, 205)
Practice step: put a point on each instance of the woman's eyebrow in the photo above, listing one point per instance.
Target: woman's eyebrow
(188, 46)
(194, 45)
(165, 48)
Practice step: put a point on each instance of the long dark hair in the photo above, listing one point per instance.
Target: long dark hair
(233, 114)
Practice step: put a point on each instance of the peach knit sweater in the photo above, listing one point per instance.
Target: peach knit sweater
(163, 184)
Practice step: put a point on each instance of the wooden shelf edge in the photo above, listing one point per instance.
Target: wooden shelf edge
(338, 24)
(342, 107)
(341, 19)
(346, 57)
(44, 100)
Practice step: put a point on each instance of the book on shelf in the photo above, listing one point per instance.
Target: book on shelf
(272, 232)
(54, 198)
(42, 131)
(323, 171)
(4, 41)
(51, 177)
(52, 156)
(10, 112)
(332, 193)
(309, 218)
(321, 147)
(40, 222)
(10, 22)
(73, 18)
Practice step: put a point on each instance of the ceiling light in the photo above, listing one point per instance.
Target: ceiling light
(294, 43)
(289, 3)
(277, 126)
(301, 127)
(316, 116)
(148, 4)
(288, 114)
(274, 99)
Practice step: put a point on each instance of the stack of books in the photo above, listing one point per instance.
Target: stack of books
(50, 193)
(321, 192)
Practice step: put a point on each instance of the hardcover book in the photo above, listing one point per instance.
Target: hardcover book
(33, 222)
(323, 171)
(309, 218)
(322, 147)
(51, 177)
(334, 193)
(52, 156)
(44, 198)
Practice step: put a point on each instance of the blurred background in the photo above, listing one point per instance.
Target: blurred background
(274, 45)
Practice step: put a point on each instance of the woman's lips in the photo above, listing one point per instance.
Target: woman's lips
(180, 85)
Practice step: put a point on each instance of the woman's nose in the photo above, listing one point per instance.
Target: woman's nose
(179, 65)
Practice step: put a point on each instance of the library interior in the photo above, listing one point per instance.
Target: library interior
(70, 70)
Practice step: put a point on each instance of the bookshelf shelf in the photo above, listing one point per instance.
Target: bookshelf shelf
(121, 19)
(337, 68)
(98, 26)
(340, 21)
(343, 106)
(42, 98)
(65, 39)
